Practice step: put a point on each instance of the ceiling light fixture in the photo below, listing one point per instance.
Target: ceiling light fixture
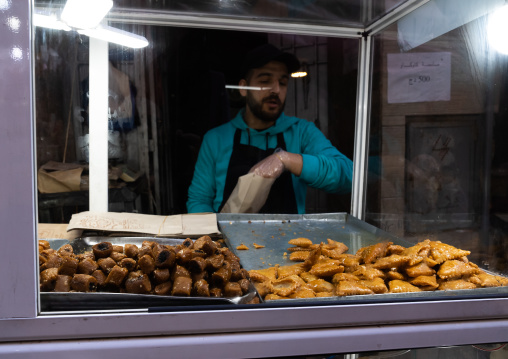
(117, 36)
(85, 14)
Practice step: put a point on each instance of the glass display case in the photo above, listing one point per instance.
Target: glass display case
(412, 92)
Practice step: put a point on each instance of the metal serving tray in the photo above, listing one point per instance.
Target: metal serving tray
(275, 230)
(97, 301)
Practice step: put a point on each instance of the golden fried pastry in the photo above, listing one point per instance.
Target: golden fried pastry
(303, 292)
(453, 269)
(257, 277)
(344, 288)
(299, 256)
(286, 286)
(418, 252)
(456, 284)
(270, 273)
(300, 249)
(393, 261)
(377, 285)
(321, 285)
(242, 247)
(300, 242)
(419, 269)
(334, 247)
(483, 279)
(442, 252)
(264, 288)
(334, 253)
(395, 274)
(272, 296)
(371, 253)
(286, 271)
(326, 269)
(349, 261)
(308, 277)
(368, 272)
(395, 249)
(258, 246)
(399, 286)
(344, 277)
(313, 258)
(425, 281)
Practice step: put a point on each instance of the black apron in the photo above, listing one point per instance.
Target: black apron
(281, 198)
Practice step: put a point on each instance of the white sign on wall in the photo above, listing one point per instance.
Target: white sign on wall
(419, 77)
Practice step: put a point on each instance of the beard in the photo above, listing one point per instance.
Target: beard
(256, 107)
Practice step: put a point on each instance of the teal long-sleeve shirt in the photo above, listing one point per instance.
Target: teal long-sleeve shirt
(324, 167)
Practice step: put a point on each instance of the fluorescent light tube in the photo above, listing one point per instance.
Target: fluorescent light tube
(497, 29)
(50, 22)
(117, 36)
(85, 14)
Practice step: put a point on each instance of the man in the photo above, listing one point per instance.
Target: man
(263, 140)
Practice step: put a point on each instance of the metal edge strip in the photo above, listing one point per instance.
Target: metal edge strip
(358, 192)
(395, 15)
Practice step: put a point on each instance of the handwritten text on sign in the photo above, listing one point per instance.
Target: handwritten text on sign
(419, 77)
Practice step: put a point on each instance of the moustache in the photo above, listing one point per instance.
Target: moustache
(272, 98)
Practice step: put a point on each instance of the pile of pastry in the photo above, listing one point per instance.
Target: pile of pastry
(200, 267)
(325, 270)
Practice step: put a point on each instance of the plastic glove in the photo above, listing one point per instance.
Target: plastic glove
(272, 166)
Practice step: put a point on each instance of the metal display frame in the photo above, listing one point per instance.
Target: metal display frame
(226, 333)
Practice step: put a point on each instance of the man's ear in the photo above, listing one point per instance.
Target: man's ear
(243, 92)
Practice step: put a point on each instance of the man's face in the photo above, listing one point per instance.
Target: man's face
(268, 103)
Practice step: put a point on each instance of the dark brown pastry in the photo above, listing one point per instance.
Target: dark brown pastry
(116, 276)
(106, 264)
(87, 266)
(215, 292)
(69, 266)
(161, 275)
(137, 282)
(164, 257)
(48, 278)
(83, 283)
(128, 263)
(182, 286)
(102, 250)
(100, 276)
(244, 285)
(63, 283)
(146, 264)
(163, 288)
(201, 288)
(232, 289)
(117, 256)
(183, 256)
(65, 250)
(196, 265)
(179, 271)
(214, 262)
(131, 250)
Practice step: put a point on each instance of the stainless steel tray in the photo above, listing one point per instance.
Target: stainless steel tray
(275, 230)
(64, 301)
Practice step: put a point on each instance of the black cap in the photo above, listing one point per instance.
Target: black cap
(263, 54)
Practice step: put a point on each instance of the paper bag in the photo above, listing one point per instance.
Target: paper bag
(54, 177)
(249, 195)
